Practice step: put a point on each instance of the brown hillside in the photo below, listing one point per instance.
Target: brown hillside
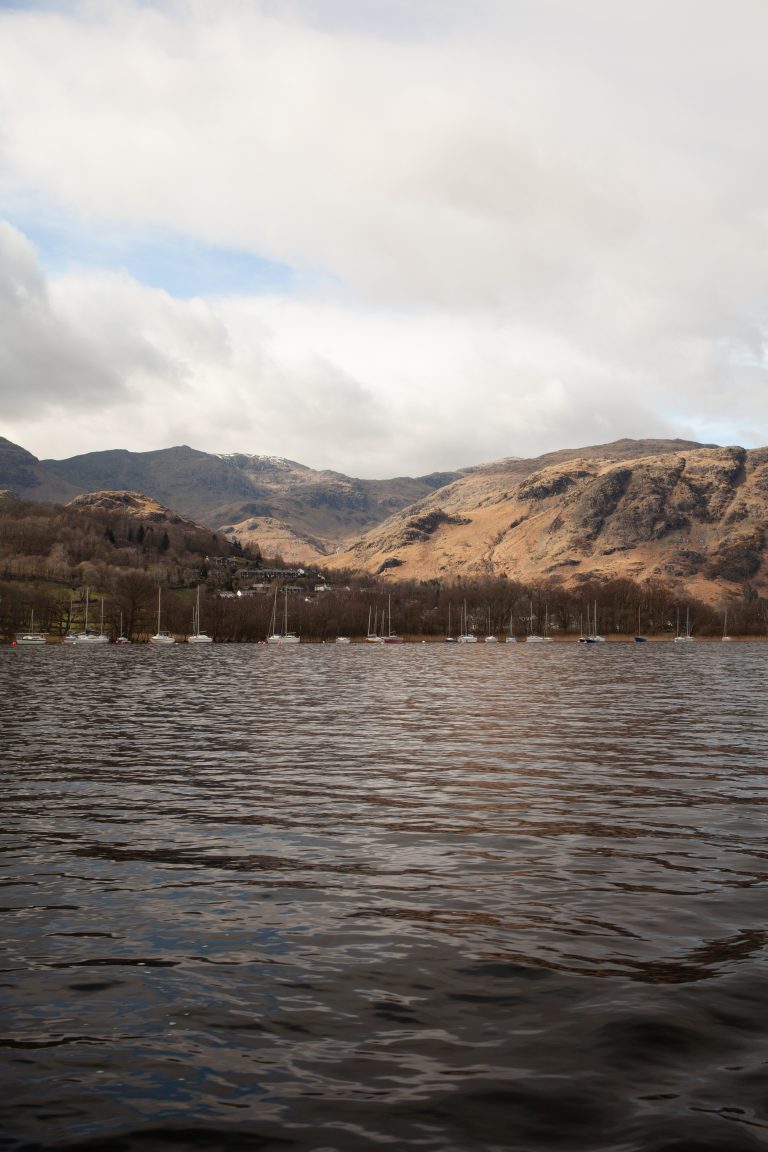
(686, 515)
(131, 504)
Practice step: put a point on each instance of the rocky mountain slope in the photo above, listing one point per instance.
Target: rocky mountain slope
(669, 511)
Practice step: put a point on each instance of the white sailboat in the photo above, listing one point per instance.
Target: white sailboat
(372, 636)
(71, 637)
(197, 636)
(389, 637)
(536, 637)
(595, 637)
(511, 638)
(122, 640)
(725, 635)
(466, 636)
(31, 637)
(490, 638)
(449, 638)
(161, 637)
(683, 637)
(87, 636)
(284, 637)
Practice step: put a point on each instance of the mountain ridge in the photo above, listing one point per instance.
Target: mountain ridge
(648, 509)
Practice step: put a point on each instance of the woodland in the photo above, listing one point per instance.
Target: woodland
(54, 559)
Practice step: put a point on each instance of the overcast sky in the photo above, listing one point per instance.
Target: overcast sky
(382, 236)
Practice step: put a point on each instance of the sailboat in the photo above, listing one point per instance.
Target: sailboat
(87, 636)
(372, 636)
(160, 637)
(490, 638)
(725, 635)
(30, 637)
(511, 638)
(582, 636)
(639, 638)
(122, 640)
(389, 637)
(70, 637)
(536, 637)
(284, 637)
(594, 636)
(450, 638)
(683, 637)
(466, 637)
(197, 636)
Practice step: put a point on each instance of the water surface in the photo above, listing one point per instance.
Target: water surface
(422, 897)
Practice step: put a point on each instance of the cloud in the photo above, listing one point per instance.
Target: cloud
(44, 361)
(364, 390)
(508, 226)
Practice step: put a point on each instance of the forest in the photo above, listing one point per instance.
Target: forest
(55, 560)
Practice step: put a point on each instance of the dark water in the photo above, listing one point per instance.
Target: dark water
(430, 897)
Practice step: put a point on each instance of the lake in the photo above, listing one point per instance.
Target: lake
(426, 897)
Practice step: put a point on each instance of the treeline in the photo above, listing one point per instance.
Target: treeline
(417, 610)
(50, 556)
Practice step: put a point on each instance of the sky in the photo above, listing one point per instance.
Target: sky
(382, 236)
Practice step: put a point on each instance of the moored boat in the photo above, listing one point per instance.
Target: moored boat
(161, 638)
(284, 637)
(197, 636)
(30, 637)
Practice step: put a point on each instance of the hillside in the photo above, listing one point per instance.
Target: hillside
(22, 475)
(689, 515)
(673, 512)
(283, 506)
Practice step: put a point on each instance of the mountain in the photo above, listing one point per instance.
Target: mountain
(672, 511)
(22, 474)
(286, 507)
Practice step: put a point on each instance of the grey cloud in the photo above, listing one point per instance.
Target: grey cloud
(43, 362)
(592, 174)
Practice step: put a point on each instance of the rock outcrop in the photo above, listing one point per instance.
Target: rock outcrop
(132, 504)
(683, 515)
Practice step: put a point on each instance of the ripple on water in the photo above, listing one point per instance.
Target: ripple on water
(418, 897)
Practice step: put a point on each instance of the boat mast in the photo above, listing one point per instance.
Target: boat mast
(273, 622)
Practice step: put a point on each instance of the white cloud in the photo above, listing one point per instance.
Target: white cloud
(536, 223)
(367, 391)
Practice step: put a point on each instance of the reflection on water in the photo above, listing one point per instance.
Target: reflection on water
(421, 897)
